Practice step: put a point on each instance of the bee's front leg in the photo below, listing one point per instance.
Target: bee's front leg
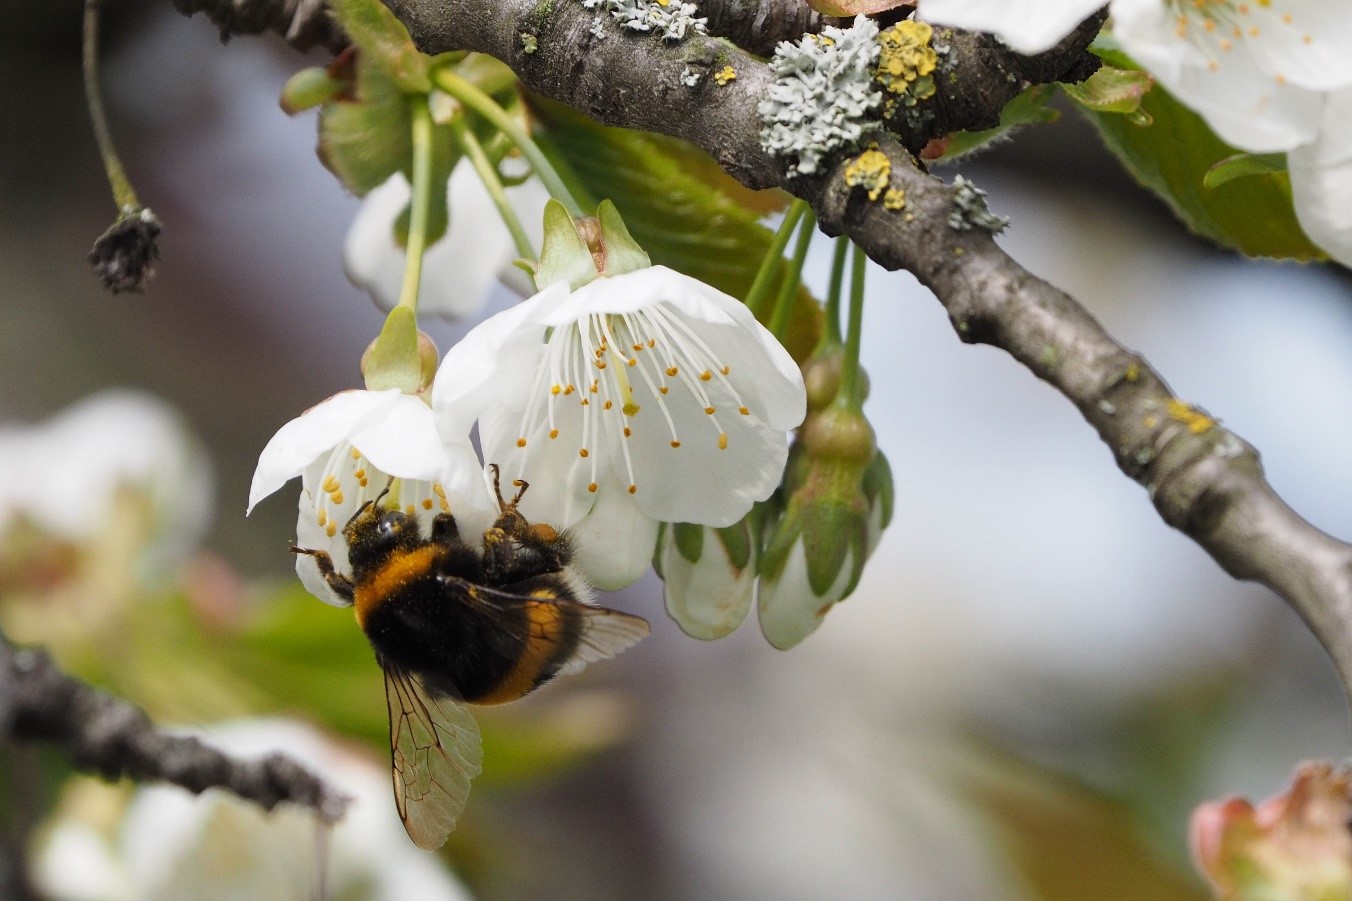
(341, 584)
(445, 530)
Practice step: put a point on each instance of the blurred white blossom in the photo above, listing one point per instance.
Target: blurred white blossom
(458, 270)
(166, 843)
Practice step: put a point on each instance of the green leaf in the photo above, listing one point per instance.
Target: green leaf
(1111, 90)
(366, 140)
(1172, 157)
(680, 219)
(384, 40)
(1028, 108)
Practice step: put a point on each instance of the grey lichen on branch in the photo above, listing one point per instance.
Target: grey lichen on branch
(99, 732)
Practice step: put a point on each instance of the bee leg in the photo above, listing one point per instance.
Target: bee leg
(500, 552)
(341, 584)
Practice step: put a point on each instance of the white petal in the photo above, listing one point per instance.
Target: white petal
(495, 361)
(789, 611)
(1220, 77)
(312, 434)
(309, 534)
(371, 259)
(1321, 181)
(401, 439)
(614, 542)
(1304, 42)
(1029, 26)
(706, 480)
(557, 475)
(708, 598)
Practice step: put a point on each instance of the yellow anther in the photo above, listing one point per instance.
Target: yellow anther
(555, 389)
(336, 497)
(361, 473)
(705, 376)
(710, 410)
(427, 503)
(744, 411)
(521, 442)
(725, 370)
(409, 510)
(627, 432)
(663, 390)
(323, 516)
(569, 389)
(356, 454)
(600, 364)
(553, 433)
(607, 405)
(630, 409)
(331, 529)
(438, 490)
(672, 371)
(675, 443)
(592, 487)
(330, 484)
(723, 441)
(633, 489)
(583, 452)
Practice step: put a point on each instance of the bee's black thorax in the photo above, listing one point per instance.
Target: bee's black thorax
(483, 627)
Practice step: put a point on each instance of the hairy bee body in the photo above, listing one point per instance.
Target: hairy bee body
(450, 624)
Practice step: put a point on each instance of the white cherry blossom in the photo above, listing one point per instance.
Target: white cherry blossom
(346, 451)
(1256, 70)
(650, 382)
(1029, 26)
(1321, 180)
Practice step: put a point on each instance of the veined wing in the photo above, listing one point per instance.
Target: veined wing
(435, 749)
(604, 632)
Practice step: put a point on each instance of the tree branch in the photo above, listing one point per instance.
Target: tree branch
(303, 23)
(105, 734)
(1204, 480)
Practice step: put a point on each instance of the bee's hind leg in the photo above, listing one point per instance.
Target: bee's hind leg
(341, 584)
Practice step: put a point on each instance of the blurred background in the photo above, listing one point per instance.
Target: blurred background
(1033, 685)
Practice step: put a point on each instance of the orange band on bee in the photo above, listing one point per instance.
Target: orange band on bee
(398, 571)
(545, 629)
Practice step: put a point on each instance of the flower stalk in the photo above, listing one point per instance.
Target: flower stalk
(851, 393)
(124, 195)
(492, 182)
(420, 201)
(474, 99)
(793, 278)
(760, 287)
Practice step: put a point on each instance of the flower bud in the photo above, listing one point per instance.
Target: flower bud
(815, 553)
(709, 575)
(821, 375)
(1293, 845)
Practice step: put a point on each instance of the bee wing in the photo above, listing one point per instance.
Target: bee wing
(434, 746)
(605, 633)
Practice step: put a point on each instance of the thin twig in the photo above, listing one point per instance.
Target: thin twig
(114, 738)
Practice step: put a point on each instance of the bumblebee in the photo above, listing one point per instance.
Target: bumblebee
(452, 625)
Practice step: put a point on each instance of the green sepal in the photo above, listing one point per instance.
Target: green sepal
(365, 140)
(309, 88)
(739, 542)
(393, 361)
(689, 539)
(623, 253)
(879, 488)
(1243, 164)
(564, 256)
(658, 547)
(382, 37)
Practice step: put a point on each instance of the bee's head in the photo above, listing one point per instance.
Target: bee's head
(374, 532)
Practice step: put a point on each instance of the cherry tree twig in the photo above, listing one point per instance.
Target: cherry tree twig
(1203, 479)
(114, 738)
